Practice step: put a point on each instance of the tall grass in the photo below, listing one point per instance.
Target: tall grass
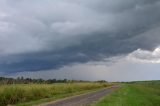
(18, 93)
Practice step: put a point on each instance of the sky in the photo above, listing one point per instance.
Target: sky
(113, 40)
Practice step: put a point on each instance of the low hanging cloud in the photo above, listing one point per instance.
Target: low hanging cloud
(145, 56)
(41, 35)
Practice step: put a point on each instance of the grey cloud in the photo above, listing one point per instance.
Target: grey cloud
(37, 35)
(123, 70)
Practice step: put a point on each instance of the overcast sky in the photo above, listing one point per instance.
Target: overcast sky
(114, 40)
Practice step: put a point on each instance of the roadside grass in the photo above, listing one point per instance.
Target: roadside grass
(136, 94)
(29, 94)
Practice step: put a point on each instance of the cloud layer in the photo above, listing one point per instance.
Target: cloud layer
(38, 35)
(146, 56)
(122, 70)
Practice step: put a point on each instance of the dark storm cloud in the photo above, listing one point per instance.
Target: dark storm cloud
(48, 34)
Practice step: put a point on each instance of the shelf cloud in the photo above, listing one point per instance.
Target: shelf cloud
(50, 34)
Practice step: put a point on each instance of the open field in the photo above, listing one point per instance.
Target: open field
(142, 93)
(134, 94)
(21, 94)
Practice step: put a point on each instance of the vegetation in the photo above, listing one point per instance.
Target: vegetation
(143, 93)
(22, 93)
(27, 91)
(22, 80)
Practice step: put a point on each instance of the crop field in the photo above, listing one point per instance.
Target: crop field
(25, 94)
(145, 93)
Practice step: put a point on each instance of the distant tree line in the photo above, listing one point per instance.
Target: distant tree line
(22, 80)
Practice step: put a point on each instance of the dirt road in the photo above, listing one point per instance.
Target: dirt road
(82, 100)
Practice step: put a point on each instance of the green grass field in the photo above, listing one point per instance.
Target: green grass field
(29, 94)
(134, 94)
